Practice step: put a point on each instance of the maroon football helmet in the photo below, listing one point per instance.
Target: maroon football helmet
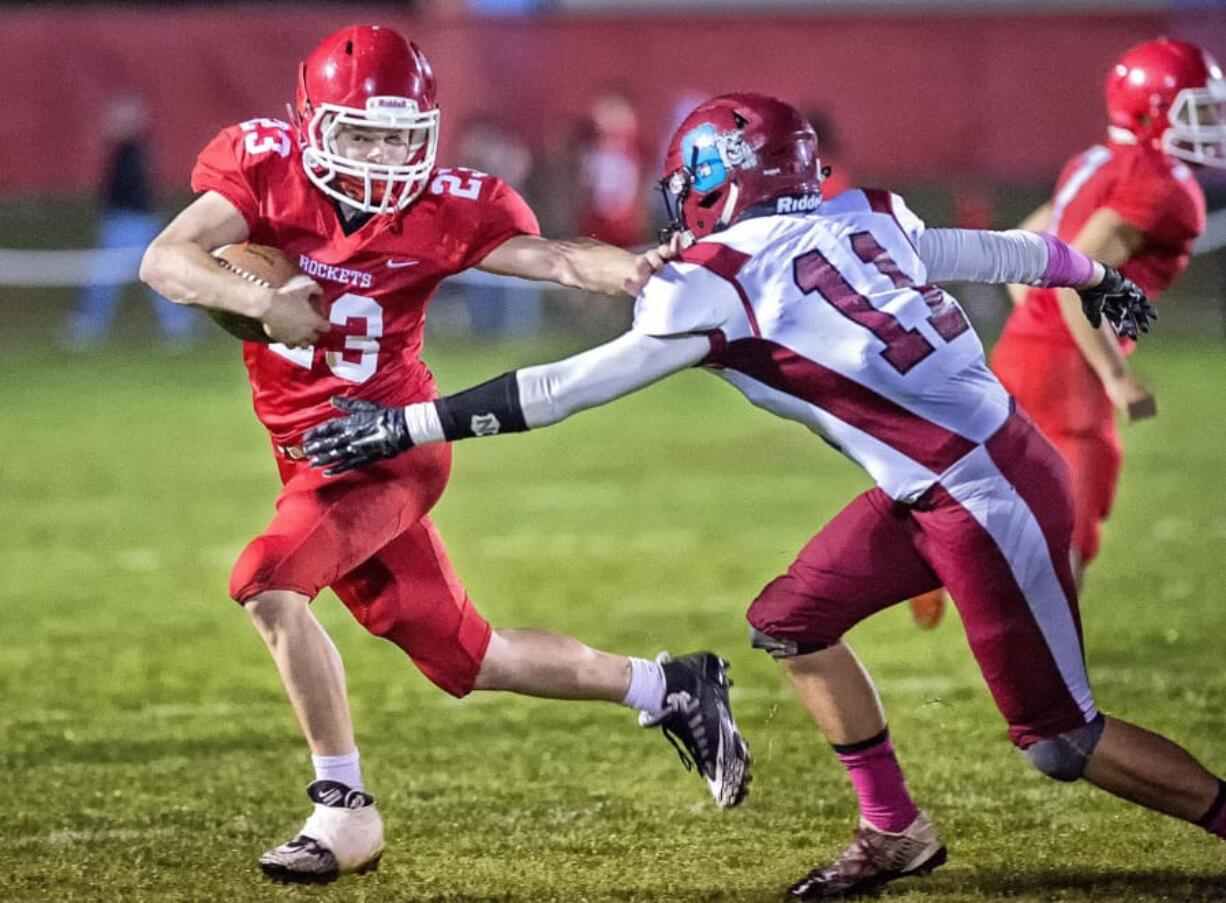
(1170, 95)
(737, 151)
(372, 77)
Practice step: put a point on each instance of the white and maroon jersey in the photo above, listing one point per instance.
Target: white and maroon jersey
(828, 319)
(377, 281)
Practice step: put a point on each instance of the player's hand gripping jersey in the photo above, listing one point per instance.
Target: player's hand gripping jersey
(1151, 192)
(377, 281)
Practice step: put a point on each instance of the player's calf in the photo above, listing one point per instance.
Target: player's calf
(344, 835)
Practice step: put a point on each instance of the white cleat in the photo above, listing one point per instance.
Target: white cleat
(343, 836)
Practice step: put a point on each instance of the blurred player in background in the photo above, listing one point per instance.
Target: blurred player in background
(1133, 203)
(351, 193)
(825, 312)
(126, 222)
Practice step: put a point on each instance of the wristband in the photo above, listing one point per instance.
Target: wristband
(485, 410)
(1066, 266)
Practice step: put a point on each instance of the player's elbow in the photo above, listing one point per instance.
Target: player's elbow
(157, 269)
(153, 266)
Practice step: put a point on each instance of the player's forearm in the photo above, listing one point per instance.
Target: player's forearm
(1097, 346)
(535, 397)
(593, 266)
(186, 273)
(1015, 256)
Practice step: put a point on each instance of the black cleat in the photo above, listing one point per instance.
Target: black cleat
(697, 720)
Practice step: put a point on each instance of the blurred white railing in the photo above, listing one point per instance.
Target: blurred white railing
(21, 268)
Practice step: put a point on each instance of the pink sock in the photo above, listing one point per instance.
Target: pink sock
(878, 781)
(1215, 819)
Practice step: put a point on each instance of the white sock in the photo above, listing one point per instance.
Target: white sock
(339, 768)
(646, 691)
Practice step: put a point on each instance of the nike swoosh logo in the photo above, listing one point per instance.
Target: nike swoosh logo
(398, 264)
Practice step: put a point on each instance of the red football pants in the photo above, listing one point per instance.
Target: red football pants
(366, 534)
(1065, 398)
(995, 531)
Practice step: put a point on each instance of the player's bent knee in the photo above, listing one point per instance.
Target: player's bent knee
(779, 647)
(1064, 757)
(272, 608)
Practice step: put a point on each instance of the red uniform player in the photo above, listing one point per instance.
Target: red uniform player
(1131, 202)
(351, 192)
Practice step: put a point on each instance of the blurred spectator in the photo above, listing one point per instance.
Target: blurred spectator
(506, 7)
(611, 171)
(126, 221)
(830, 150)
(499, 307)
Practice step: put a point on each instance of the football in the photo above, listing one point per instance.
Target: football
(260, 264)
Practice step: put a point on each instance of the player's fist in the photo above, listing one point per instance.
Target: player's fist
(651, 261)
(292, 315)
(1121, 301)
(1132, 397)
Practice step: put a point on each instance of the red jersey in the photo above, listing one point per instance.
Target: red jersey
(1150, 191)
(377, 281)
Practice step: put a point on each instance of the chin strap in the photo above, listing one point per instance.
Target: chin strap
(725, 217)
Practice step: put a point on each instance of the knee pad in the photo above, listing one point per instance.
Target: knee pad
(1064, 756)
(780, 648)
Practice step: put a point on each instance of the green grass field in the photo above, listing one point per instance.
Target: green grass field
(149, 753)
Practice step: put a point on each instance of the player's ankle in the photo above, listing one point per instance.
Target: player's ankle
(344, 769)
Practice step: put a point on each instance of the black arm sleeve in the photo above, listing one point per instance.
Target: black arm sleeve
(485, 410)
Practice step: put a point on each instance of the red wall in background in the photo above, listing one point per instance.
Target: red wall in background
(1000, 97)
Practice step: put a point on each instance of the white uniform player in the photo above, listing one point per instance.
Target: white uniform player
(826, 314)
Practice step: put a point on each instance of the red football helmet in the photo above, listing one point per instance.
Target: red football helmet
(1169, 94)
(367, 76)
(736, 151)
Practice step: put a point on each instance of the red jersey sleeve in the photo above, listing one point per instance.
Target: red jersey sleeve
(503, 214)
(219, 167)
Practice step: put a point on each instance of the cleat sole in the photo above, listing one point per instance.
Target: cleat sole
(283, 875)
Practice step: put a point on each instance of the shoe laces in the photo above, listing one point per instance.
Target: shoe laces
(682, 706)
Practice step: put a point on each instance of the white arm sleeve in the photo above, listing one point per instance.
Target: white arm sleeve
(552, 392)
(980, 255)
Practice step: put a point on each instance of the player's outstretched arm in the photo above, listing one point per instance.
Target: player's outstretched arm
(1038, 221)
(525, 399)
(579, 263)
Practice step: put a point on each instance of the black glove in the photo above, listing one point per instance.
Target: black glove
(370, 432)
(1121, 301)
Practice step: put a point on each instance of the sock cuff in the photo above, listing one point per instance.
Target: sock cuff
(647, 686)
(334, 761)
(851, 749)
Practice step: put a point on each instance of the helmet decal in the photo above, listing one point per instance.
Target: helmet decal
(710, 155)
(732, 153)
